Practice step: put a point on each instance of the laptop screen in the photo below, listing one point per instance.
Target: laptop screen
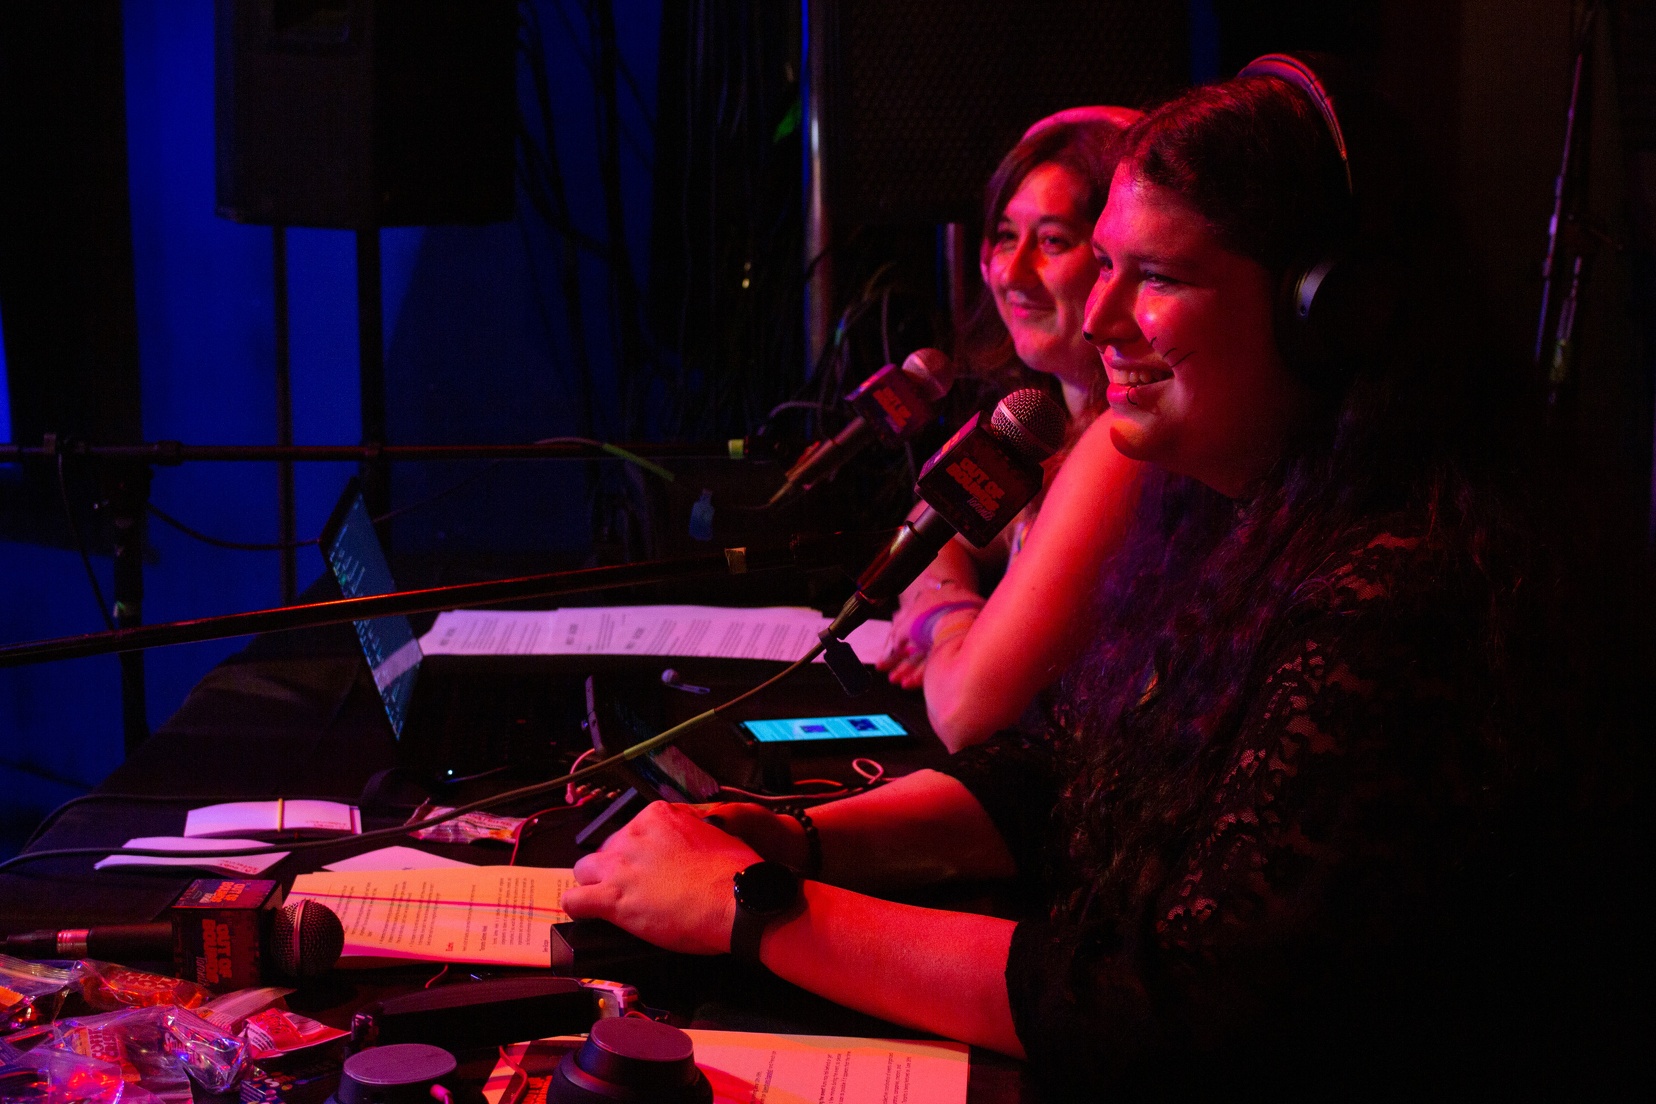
(353, 551)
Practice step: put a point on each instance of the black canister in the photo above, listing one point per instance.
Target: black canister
(631, 1059)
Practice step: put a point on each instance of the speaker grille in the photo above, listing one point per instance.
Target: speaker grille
(927, 95)
(306, 939)
(1031, 422)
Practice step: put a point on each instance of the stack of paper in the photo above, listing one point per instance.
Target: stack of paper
(782, 633)
(495, 915)
(195, 854)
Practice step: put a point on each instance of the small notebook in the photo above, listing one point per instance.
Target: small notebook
(280, 817)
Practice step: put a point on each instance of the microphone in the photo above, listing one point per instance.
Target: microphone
(975, 485)
(304, 940)
(892, 405)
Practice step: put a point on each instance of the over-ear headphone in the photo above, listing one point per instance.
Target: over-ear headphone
(1331, 308)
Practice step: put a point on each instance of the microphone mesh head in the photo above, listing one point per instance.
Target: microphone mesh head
(305, 939)
(932, 370)
(1030, 422)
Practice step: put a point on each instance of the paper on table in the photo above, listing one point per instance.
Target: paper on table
(394, 858)
(196, 853)
(755, 1068)
(782, 633)
(760, 1068)
(495, 915)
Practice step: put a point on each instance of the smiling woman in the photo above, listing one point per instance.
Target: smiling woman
(1284, 827)
(1038, 269)
(982, 656)
(1196, 382)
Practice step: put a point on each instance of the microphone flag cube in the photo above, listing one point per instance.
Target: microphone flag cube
(978, 483)
(891, 402)
(218, 930)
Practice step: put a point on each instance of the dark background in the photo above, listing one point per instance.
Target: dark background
(650, 284)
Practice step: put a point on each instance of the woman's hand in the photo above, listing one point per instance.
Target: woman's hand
(904, 663)
(949, 581)
(776, 836)
(666, 877)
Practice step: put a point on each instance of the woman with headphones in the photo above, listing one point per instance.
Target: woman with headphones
(1261, 841)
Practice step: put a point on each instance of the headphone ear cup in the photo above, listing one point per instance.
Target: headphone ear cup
(1332, 315)
(1299, 315)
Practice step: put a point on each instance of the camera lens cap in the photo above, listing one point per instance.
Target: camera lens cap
(393, 1074)
(631, 1059)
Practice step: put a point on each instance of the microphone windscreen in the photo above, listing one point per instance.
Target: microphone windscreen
(1030, 422)
(932, 370)
(306, 939)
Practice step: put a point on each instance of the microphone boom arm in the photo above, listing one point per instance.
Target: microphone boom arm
(807, 553)
(917, 544)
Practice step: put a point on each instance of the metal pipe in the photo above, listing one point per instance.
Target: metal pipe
(803, 553)
(819, 263)
(173, 452)
(286, 525)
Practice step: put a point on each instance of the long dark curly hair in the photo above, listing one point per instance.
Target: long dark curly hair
(1189, 607)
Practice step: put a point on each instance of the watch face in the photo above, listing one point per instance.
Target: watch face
(766, 888)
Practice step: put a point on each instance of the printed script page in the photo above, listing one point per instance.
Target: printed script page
(495, 915)
(781, 633)
(759, 1068)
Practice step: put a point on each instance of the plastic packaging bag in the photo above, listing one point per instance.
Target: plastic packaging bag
(34, 992)
(277, 1032)
(50, 1076)
(160, 1048)
(107, 987)
(229, 1011)
(470, 828)
(212, 1058)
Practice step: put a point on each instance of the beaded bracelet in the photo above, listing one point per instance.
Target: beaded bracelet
(813, 842)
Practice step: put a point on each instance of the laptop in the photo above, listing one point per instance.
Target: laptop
(451, 716)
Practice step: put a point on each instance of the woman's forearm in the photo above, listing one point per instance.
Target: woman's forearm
(666, 876)
(942, 972)
(923, 828)
(1038, 618)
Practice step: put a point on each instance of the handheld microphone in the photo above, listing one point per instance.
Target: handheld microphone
(304, 939)
(975, 485)
(892, 405)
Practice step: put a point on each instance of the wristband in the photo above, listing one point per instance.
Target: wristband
(952, 628)
(813, 842)
(921, 632)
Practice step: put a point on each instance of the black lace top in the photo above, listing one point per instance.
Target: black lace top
(1313, 890)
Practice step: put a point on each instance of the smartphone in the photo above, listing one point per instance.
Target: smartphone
(614, 725)
(821, 733)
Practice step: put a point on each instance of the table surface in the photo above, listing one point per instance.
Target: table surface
(296, 715)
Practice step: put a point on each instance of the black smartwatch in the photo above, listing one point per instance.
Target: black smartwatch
(765, 891)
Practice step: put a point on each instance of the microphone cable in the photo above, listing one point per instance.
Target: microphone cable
(660, 740)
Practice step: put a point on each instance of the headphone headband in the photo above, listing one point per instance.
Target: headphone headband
(1300, 74)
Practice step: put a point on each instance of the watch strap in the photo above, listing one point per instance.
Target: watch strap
(745, 933)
